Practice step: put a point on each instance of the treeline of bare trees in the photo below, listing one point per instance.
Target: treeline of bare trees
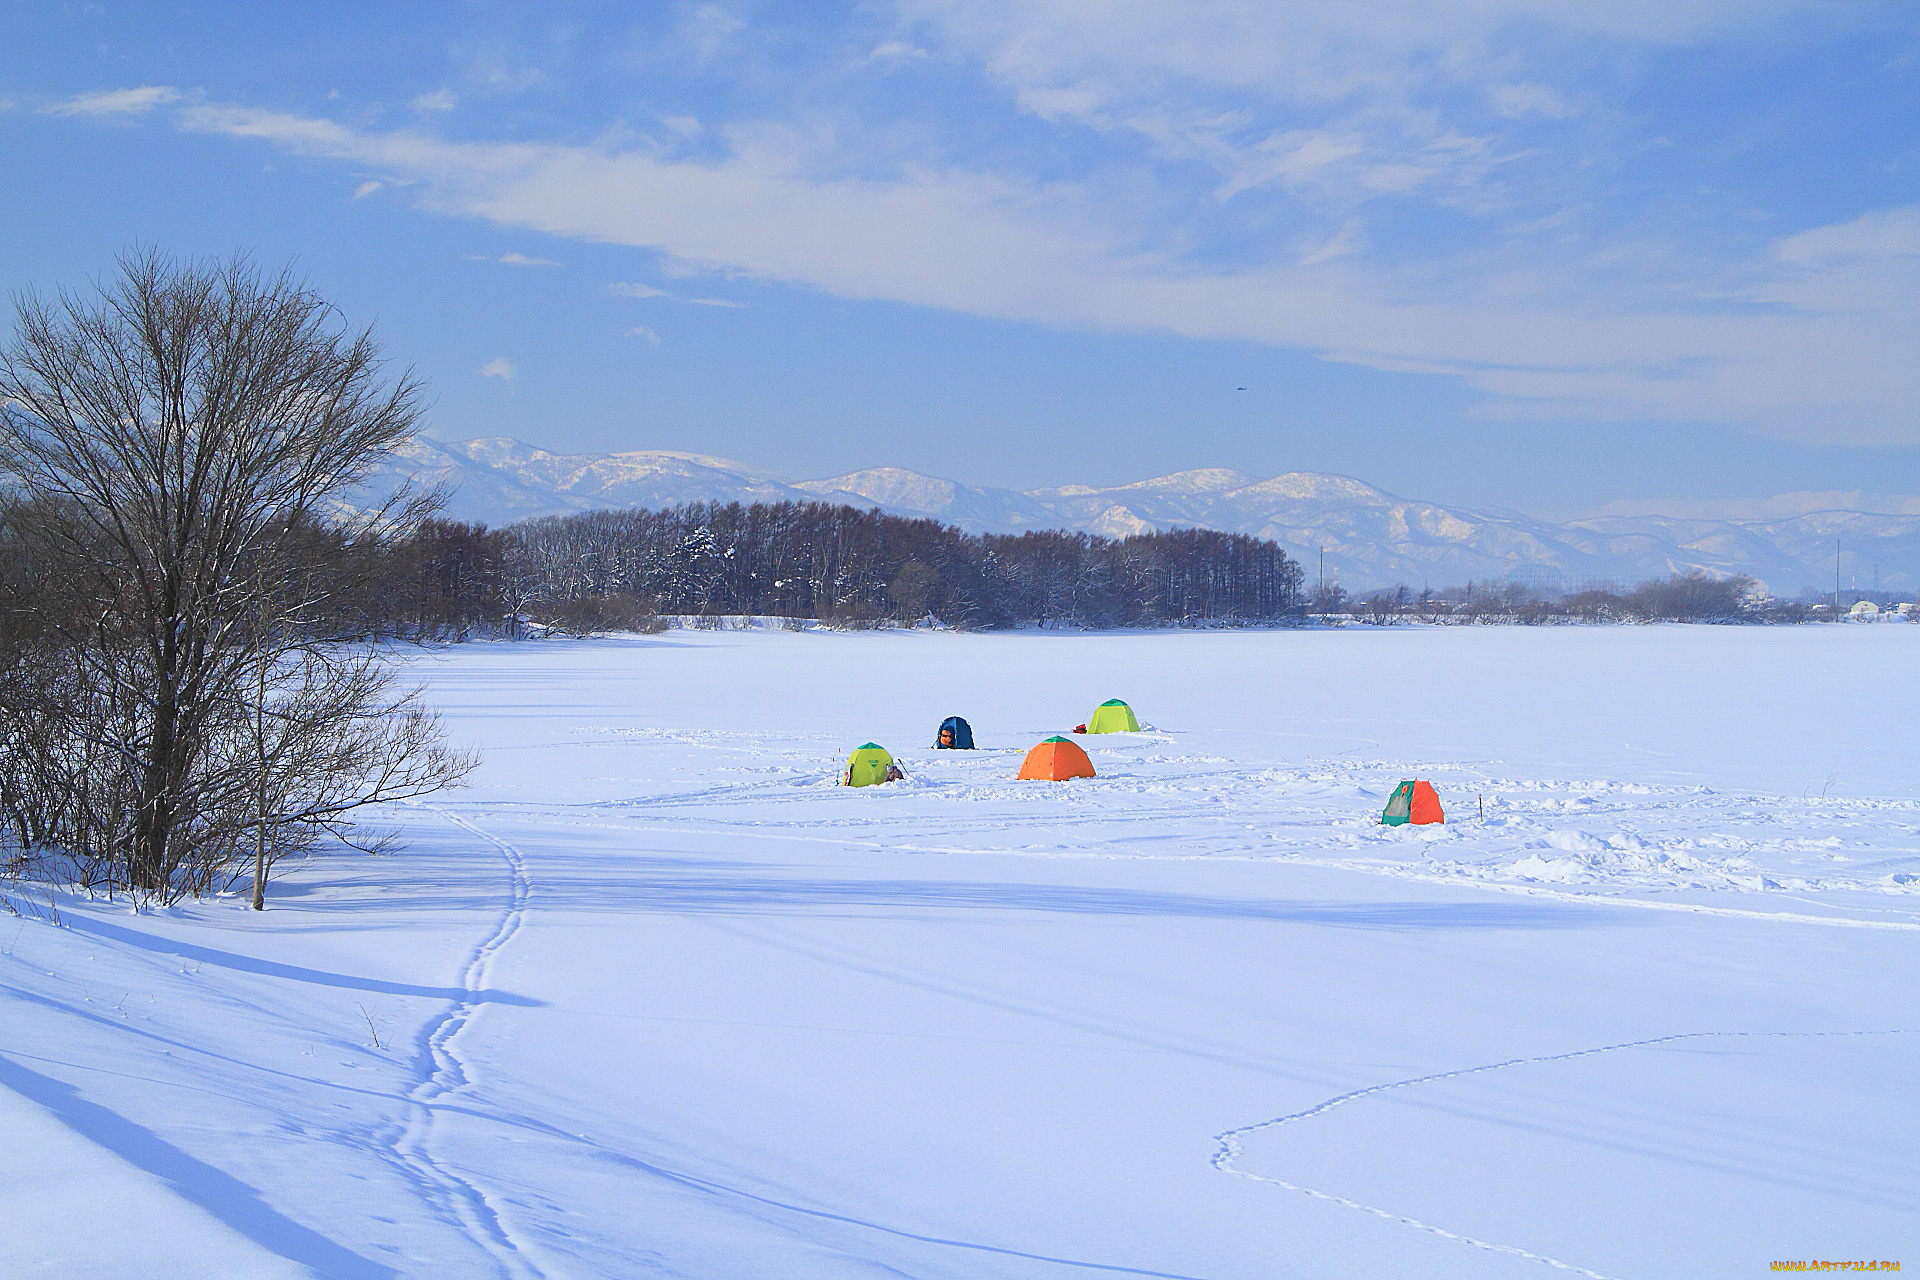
(185, 691)
(605, 569)
(1682, 597)
(619, 569)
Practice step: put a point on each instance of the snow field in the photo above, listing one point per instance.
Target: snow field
(655, 997)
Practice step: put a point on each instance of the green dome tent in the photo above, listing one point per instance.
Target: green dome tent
(869, 766)
(1112, 716)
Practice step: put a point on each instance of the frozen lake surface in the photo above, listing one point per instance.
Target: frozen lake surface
(654, 997)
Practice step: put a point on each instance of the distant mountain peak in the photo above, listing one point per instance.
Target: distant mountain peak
(1201, 480)
(1372, 538)
(1318, 486)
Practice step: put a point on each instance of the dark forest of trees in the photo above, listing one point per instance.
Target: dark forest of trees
(813, 560)
(619, 569)
(1681, 597)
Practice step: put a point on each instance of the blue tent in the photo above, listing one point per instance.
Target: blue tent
(961, 738)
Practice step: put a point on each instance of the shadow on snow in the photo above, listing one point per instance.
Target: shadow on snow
(274, 969)
(233, 1202)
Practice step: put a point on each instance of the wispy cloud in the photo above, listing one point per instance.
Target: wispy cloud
(367, 188)
(629, 289)
(986, 246)
(1888, 233)
(513, 260)
(502, 368)
(1349, 240)
(494, 72)
(641, 331)
(1517, 100)
(1414, 185)
(438, 100)
(116, 102)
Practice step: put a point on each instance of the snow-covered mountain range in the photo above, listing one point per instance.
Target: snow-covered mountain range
(1371, 538)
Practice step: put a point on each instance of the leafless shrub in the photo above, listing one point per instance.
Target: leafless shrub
(184, 693)
(581, 617)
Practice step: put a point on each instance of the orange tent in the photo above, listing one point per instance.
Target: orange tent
(1056, 760)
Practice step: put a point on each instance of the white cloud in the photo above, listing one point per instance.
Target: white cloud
(1308, 47)
(708, 32)
(895, 49)
(1350, 240)
(628, 289)
(1216, 80)
(1517, 100)
(495, 74)
(510, 259)
(1298, 157)
(1866, 268)
(367, 188)
(500, 367)
(116, 102)
(1543, 340)
(641, 331)
(1889, 233)
(438, 100)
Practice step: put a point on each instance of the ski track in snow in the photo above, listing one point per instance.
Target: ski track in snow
(1229, 1149)
(440, 1071)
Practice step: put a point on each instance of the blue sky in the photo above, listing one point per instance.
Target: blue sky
(1546, 255)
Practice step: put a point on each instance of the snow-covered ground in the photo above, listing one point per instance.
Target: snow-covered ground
(654, 997)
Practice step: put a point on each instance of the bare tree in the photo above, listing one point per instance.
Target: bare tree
(183, 445)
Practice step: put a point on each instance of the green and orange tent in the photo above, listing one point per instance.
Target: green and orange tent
(1413, 802)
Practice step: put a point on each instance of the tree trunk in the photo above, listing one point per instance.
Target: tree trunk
(260, 807)
(154, 820)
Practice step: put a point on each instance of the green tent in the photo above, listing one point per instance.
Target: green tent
(1112, 716)
(867, 766)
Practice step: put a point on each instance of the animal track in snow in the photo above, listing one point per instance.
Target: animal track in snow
(1229, 1149)
(440, 1071)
